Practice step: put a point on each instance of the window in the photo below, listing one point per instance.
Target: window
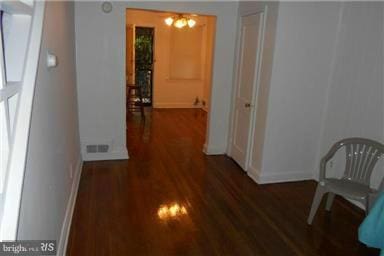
(185, 53)
(15, 19)
(4, 117)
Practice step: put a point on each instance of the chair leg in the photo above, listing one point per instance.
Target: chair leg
(320, 191)
(141, 103)
(330, 198)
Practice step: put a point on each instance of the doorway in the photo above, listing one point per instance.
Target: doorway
(144, 62)
(140, 60)
(171, 66)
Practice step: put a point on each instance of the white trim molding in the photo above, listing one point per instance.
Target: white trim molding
(65, 229)
(278, 177)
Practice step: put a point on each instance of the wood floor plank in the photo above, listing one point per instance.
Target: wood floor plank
(225, 212)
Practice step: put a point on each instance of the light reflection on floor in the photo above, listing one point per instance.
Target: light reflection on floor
(171, 211)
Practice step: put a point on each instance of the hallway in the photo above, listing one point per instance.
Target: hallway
(170, 198)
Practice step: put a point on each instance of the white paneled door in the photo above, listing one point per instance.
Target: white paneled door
(246, 89)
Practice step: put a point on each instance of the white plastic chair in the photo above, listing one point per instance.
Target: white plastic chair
(361, 158)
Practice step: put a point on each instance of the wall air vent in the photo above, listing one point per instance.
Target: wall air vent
(101, 148)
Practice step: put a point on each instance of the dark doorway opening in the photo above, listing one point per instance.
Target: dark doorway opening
(144, 62)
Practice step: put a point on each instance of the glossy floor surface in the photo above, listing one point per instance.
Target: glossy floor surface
(171, 199)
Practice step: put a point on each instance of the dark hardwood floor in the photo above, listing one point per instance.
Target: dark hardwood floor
(171, 199)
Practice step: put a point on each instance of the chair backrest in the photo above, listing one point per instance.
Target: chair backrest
(361, 157)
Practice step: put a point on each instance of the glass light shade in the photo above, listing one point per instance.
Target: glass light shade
(191, 23)
(180, 23)
(169, 21)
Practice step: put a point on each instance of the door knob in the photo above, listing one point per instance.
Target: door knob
(247, 105)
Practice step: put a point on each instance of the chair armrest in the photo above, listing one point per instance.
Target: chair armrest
(323, 166)
(325, 159)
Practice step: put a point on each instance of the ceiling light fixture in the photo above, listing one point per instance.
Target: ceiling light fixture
(169, 21)
(180, 21)
(191, 23)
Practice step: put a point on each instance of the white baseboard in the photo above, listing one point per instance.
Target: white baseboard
(209, 150)
(175, 105)
(114, 155)
(65, 229)
(265, 178)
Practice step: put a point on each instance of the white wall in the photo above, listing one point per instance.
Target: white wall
(54, 147)
(305, 38)
(326, 84)
(355, 94)
(100, 42)
(169, 92)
